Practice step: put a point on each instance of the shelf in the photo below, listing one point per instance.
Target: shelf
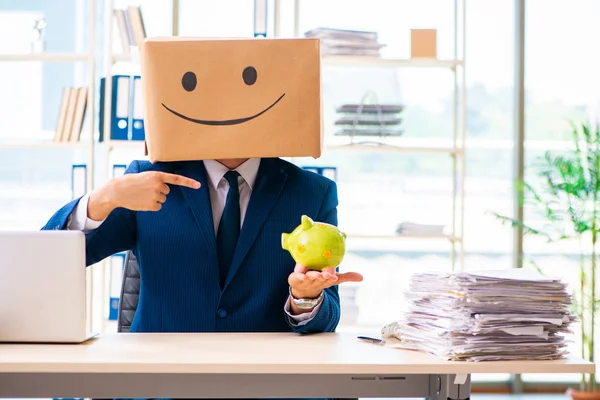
(41, 144)
(377, 62)
(385, 148)
(46, 57)
(121, 58)
(451, 238)
(138, 144)
(125, 144)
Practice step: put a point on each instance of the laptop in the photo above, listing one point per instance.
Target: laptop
(43, 287)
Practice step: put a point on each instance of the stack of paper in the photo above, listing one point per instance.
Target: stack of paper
(514, 314)
(346, 42)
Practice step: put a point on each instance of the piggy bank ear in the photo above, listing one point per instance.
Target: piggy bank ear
(306, 222)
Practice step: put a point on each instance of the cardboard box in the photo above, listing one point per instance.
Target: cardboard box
(423, 43)
(231, 98)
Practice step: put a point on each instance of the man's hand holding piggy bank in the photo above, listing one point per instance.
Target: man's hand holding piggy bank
(318, 249)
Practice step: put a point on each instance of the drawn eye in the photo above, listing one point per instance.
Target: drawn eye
(249, 75)
(188, 81)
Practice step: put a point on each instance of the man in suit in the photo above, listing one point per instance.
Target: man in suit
(207, 237)
(207, 233)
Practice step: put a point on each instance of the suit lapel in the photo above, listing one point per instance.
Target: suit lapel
(267, 187)
(199, 202)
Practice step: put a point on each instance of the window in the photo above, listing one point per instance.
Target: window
(561, 86)
(34, 182)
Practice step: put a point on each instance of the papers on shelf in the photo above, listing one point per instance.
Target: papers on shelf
(346, 42)
(410, 228)
(513, 314)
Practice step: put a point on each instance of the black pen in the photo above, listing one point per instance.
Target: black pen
(371, 340)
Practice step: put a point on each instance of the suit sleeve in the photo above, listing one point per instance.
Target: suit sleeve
(116, 234)
(328, 316)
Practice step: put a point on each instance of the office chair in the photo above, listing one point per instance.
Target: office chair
(130, 293)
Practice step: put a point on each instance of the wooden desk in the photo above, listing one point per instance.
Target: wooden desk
(242, 366)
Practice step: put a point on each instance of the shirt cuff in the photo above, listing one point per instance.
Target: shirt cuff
(304, 318)
(79, 221)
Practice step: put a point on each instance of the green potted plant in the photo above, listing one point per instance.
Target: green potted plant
(566, 193)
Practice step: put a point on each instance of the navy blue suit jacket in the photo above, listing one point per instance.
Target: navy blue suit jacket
(176, 251)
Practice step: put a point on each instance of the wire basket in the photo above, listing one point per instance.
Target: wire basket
(377, 128)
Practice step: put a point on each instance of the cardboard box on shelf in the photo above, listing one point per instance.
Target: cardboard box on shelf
(423, 43)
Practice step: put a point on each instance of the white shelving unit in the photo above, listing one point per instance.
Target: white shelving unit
(456, 146)
(103, 151)
(107, 147)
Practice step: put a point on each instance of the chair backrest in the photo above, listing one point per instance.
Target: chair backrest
(130, 293)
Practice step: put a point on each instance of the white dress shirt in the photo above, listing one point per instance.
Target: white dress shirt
(218, 188)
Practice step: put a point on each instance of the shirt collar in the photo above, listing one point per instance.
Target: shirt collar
(248, 170)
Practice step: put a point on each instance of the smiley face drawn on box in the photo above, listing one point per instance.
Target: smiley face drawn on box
(231, 98)
(189, 82)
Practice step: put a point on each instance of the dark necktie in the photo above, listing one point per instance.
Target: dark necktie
(229, 227)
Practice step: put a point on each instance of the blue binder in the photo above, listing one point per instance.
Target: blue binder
(137, 107)
(119, 170)
(120, 108)
(260, 18)
(117, 265)
(78, 180)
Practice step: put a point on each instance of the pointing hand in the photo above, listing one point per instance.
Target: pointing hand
(144, 191)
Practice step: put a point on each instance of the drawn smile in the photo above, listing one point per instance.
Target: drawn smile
(223, 122)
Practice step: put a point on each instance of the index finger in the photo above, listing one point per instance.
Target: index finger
(179, 180)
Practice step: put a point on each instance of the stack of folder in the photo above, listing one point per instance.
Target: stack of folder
(346, 42)
(514, 314)
(126, 113)
(369, 120)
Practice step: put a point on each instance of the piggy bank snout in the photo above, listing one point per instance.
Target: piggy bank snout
(285, 241)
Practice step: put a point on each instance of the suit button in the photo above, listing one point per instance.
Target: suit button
(222, 313)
